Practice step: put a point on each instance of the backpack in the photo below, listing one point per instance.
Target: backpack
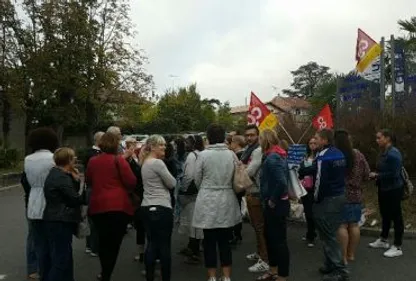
(408, 185)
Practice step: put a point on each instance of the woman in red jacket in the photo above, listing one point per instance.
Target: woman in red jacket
(111, 210)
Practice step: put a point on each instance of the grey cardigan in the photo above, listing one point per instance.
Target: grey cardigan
(216, 205)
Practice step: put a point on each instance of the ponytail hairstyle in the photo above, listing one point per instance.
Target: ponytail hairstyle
(151, 142)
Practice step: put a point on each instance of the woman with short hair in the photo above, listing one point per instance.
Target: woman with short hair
(390, 184)
(216, 207)
(111, 180)
(61, 216)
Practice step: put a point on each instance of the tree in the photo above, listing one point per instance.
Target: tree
(325, 93)
(224, 116)
(306, 79)
(183, 110)
(409, 27)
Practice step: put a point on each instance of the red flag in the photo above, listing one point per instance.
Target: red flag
(324, 119)
(260, 115)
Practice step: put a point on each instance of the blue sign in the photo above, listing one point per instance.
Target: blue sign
(296, 154)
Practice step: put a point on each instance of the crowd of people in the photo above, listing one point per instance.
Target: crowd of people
(188, 182)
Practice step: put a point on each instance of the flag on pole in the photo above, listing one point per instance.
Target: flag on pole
(324, 119)
(367, 50)
(260, 115)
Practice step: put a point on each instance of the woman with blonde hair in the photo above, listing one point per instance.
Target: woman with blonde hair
(274, 180)
(156, 209)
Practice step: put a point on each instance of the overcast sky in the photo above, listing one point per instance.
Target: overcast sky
(232, 47)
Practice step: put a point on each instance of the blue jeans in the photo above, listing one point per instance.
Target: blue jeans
(31, 257)
(53, 242)
(158, 223)
(328, 218)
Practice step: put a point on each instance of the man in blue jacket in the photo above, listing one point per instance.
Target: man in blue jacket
(329, 172)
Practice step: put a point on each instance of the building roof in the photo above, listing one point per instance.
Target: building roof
(239, 109)
(288, 103)
(285, 104)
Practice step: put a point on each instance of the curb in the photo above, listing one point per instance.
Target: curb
(6, 188)
(365, 231)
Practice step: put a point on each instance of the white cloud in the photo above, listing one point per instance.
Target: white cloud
(232, 47)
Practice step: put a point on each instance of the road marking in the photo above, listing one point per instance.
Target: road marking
(3, 276)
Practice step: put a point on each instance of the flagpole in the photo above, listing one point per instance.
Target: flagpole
(304, 133)
(290, 138)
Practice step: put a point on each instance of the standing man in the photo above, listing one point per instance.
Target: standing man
(92, 240)
(329, 169)
(252, 158)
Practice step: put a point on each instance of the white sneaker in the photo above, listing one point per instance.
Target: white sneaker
(94, 255)
(225, 279)
(379, 244)
(212, 279)
(259, 267)
(252, 257)
(393, 252)
(88, 251)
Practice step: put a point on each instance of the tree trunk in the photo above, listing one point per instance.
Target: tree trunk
(91, 122)
(6, 115)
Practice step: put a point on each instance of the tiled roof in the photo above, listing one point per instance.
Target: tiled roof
(285, 104)
(288, 103)
(239, 109)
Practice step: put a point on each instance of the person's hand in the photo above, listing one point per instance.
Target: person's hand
(271, 204)
(76, 174)
(128, 152)
(373, 175)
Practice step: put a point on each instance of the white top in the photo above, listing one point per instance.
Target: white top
(157, 181)
(37, 167)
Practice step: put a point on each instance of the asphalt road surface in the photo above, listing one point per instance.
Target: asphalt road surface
(370, 264)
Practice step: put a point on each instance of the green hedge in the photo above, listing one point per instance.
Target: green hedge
(9, 158)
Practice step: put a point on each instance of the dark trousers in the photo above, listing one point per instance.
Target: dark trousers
(111, 228)
(158, 222)
(193, 245)
(139, 226)
(390, 204)
(92, 239)
(53, 242)
(307, 202)
(239, 227)
(31, 257)
(328, 217)
(217, 237)
(275, 227)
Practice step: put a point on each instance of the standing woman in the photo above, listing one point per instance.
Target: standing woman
(137, 196)
(390, 192)
(307, 200)
(111, 209)
(156, 209)
(43, 142)
(187, 197)
(274, 181)
(357, 171)
(216, 207)
(61, 216)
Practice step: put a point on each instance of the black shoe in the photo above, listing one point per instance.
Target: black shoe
(324, 270)
(336, 276)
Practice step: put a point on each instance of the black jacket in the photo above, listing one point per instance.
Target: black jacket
(63, 200)
(137, 171)
(26, 187)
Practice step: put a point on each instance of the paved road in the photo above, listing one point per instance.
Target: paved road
(370, 266)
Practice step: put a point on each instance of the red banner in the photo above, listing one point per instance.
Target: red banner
(324, 119)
